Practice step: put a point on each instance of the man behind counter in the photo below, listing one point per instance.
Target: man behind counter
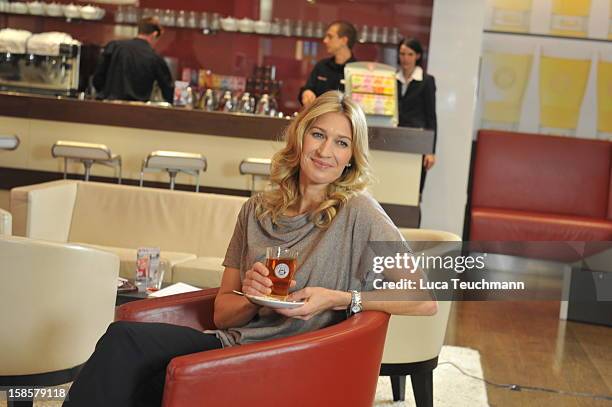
(127, 69)
(328, 73)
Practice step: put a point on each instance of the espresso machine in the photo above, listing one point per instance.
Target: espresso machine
(42, 74)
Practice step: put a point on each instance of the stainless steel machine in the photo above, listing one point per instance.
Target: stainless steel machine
(54, 75)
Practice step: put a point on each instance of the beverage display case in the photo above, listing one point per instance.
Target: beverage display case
(373, 86)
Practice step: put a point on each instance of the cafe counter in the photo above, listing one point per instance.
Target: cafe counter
(134, 129)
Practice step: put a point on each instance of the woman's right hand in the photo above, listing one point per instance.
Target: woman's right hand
(256, 281)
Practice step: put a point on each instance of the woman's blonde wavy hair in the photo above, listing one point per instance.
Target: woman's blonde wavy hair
(284, 192)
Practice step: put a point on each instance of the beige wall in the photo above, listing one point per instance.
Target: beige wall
(397, 173)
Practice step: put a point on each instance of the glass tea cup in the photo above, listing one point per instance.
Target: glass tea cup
(156, 276)
(281, 262)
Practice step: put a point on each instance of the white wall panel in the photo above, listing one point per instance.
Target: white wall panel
(454, 53)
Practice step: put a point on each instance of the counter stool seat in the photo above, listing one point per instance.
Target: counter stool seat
(87, 154)
(256, 168)
(10, 142)
(174, 162)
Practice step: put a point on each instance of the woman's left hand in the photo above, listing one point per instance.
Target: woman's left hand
(428, 161)
(317, 299)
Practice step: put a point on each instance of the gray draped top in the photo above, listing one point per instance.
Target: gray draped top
(335, 258)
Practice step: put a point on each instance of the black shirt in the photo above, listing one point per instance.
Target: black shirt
(326, 75)
(127, 70)
(417, 106)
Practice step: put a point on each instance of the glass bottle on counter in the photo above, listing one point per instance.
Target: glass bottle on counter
(209, 100)
(263, 106)
(226, 102)
(247, 103)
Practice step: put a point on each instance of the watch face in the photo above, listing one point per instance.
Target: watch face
(355, 309)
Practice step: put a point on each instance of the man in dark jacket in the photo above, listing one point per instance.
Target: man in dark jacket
(128, 68)
(328, 73)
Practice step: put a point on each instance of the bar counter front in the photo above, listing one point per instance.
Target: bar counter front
(133, 130)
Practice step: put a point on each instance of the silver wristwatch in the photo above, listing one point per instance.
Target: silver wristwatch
(356, 306)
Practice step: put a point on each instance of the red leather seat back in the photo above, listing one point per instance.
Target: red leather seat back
(540, 173)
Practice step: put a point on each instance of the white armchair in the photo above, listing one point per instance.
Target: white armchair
(61, 299)
(413, 344)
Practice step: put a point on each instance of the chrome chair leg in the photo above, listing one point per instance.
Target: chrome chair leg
(87, 164)
(172, 175)
(120, 171)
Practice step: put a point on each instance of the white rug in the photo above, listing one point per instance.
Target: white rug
(451, 387)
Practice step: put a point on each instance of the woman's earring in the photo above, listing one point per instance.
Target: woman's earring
(348, 165)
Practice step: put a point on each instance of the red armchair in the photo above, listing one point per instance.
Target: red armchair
(337, 365)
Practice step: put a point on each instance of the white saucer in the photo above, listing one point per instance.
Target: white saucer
(272, 302)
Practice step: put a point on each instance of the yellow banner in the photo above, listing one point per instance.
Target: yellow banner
(504, 88)
(511, 15)
(570, 17)
(562, 86)
(604, 96)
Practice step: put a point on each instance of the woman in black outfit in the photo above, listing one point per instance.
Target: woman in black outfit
(417, 95)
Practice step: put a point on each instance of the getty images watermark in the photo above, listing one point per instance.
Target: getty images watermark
(517, 270)
(411, 263)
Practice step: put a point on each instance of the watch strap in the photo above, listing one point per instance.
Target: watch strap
(356, 306)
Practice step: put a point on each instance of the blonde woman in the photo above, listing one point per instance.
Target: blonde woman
(317, 205)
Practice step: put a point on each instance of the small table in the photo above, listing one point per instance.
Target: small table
(129, 296)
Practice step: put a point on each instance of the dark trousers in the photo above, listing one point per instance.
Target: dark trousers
(128, 366)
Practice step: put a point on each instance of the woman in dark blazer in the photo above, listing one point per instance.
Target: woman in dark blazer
(416, 94)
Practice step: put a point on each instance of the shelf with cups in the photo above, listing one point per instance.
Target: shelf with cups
(52, 10)
(70, 20)
(191, 20)
(278, 36)
(270, 32)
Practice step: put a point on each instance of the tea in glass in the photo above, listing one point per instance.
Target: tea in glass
(282, 264)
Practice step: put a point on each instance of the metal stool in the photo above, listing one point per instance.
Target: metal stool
(9, 142)
(87, 154)
(174, 162)
(255, 167)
